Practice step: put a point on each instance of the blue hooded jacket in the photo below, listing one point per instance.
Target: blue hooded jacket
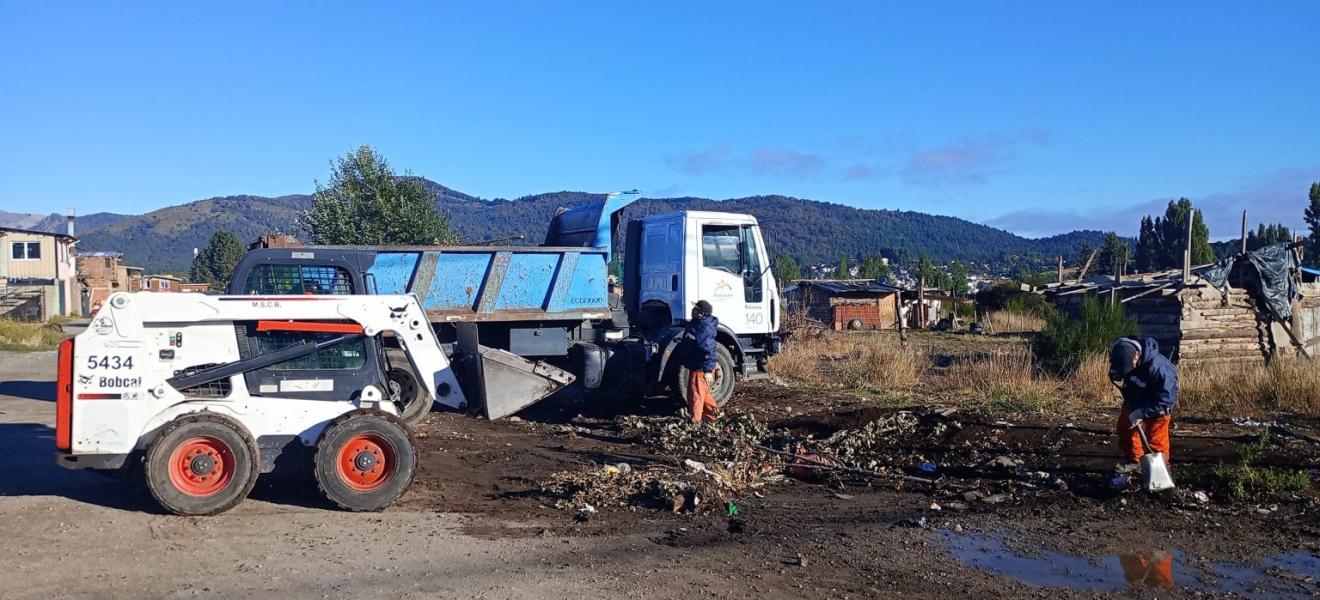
(1151, 389)
(698, 346)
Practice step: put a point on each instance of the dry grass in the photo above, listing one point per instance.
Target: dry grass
(1004, 321)
(16, 336)
(1004, 376)
(1250, 388)
(848, 361)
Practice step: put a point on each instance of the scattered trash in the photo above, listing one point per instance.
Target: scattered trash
(995, 499)
(955, 506)
(624, 467)
(843, 496)
(1003, 424)
(587, 508)
(1120, 482)
(731, 508)
(934, 506)
(1201, 497)
(921, 522)
(802, 560)
(928, 467)
(611, 469)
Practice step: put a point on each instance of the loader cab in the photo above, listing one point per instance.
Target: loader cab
(688, 256)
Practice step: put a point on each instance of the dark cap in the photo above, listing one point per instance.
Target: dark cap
(1120, 358)
(704, 307)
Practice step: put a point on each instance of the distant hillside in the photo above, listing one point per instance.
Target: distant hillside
(810, 230)
(18, 220)
(807, 229)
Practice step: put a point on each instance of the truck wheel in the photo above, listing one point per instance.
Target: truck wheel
(410, 398)
(722, 388)
(365, 460)
(201, 464)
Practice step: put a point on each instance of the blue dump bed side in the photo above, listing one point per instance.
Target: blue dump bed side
(486, 284)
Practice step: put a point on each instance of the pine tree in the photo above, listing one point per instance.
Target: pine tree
(843, 273)
(1113, 255)
(215, 264)
(1084, 254)
(1313, 220)
(787, 270)
(958, 278)
(1148, 244)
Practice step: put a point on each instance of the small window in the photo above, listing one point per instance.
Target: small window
(296, 280)
(25, 250)
(720, 248)
(108, 262)
(164, 284)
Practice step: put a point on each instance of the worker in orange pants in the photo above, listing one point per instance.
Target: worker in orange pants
(700, 402)
(1150, 390)
(697, 352)
(1157, 433)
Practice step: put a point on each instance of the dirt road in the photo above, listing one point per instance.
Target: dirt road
(478, 524)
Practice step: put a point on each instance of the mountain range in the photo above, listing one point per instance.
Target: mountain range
(810, 230)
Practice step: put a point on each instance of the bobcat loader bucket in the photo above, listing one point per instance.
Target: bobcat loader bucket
(498, 383)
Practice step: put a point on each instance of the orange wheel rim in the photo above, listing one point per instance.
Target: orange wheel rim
(366, 462)
(201, 466)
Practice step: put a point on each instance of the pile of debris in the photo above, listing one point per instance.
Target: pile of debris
(715, 464)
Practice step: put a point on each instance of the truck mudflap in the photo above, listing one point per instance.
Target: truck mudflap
(499, 383)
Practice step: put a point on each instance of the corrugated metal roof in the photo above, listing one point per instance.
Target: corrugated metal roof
(102, 254)
(850, 286)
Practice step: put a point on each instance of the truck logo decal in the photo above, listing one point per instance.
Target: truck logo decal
(84, 379)
(723, 290)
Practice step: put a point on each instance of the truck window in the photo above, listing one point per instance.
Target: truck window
(720, 248)
(753, 291)
(280, 280)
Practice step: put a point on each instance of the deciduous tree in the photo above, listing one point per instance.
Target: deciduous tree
(365, 203)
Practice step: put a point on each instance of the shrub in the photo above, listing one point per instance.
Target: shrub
(1064, 344)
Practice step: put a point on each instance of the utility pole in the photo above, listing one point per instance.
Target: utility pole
(1187, 254)
(1244, 232)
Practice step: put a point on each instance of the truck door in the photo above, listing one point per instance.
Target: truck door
(732, 277)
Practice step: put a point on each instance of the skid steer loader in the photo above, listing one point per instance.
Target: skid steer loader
(204, 393)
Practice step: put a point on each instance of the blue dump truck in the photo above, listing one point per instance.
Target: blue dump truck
(523, 322)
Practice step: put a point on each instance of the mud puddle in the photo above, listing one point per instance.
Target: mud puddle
(1280, 576)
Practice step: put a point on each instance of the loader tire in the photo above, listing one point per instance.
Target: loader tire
(365, 460)
(201, 464)
(722, 389)
(409, 396)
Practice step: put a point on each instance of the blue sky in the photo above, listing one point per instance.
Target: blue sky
(1037, 117)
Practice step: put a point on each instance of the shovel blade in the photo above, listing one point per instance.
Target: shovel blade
(1155, 472)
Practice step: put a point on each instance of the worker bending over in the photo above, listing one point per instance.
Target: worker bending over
(1150, 389)
(698, 352)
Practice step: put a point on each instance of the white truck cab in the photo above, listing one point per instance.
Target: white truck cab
(717, 257)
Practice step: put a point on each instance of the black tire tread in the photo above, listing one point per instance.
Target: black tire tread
(344, 418)
(149, 467)
(726, 361)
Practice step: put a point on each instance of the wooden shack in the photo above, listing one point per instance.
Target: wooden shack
(1195, 323)
(862, 304)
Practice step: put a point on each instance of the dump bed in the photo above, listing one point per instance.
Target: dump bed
(453, 284)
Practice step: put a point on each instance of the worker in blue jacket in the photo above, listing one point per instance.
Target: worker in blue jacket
(698, 357)
(1150, 389)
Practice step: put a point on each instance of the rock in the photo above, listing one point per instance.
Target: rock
(995, 499)
(1263, 511)
(1200, 497)
(957, 529)
(955, 506)
(802, 560)
(972, 496)
(514, 419)
(624, 468)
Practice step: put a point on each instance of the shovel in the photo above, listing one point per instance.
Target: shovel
(1154, 469)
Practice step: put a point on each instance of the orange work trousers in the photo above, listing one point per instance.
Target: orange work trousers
(1157, 431)
(700, 402)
